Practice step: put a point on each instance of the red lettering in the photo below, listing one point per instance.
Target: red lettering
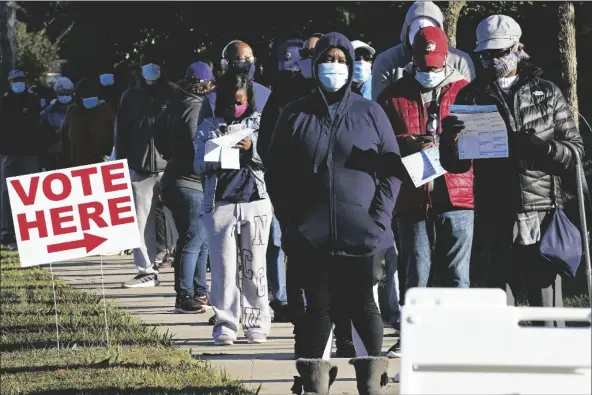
(95, 215)
(115, 211)
(66, 187)
(27, 199)
(25, 226)
(57, 220)
(84, 175)
(109, 177)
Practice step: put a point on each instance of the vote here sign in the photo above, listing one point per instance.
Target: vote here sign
(73, 213)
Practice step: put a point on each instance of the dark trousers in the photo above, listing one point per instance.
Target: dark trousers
(192, 249)
(516, 268)
(329, 283)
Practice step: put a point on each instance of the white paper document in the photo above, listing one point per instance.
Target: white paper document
(221, 149)
(485, 134)
(229, 158)
(424, 166)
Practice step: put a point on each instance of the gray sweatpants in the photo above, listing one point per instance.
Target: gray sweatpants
(146, 189)
(12, 166)
(234, 228)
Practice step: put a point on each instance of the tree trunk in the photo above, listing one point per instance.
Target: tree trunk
(7, 40)
(567, 55)
(451, 16)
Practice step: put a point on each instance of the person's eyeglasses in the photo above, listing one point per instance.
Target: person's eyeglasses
(305, 53)
(496, 53)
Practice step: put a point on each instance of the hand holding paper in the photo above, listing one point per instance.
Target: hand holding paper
(223, 149)
(484, 135)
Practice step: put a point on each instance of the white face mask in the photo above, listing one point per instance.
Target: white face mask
(17, 87)
(333, 76)
(430, 79)
(151, 72)
(107, 79)
(418, 24)
(90, 102)
(65, 99)
(362, 71)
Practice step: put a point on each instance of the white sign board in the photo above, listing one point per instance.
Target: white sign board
(73, 213)
(485, 134)
(423, 166)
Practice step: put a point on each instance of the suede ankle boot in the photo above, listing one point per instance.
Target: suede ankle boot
(316, 377)
(371, 374)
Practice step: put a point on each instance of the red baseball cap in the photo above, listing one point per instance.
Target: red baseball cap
(430, 46)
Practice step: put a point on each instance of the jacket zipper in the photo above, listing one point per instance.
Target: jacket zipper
(514, 119)
(330, 166)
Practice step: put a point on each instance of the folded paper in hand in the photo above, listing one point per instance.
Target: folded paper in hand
(222, 149)
(485, 134)
(423, 166)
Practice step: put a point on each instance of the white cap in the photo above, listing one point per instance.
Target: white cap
(360, 44)
(63, 84)
(497, 32)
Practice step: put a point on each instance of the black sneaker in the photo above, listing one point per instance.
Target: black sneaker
(281, 313)
(395, 351)
(187, 305)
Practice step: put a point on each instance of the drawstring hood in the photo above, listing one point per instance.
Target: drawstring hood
(420, 9)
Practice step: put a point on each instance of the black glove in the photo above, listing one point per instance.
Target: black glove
(525, 145)
(451, 126)
(390, 165)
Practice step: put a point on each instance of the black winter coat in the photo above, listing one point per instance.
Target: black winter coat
(135, 126)
(175, 129)
(507, 183)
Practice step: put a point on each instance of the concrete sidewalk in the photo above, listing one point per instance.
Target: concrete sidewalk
(270, 364)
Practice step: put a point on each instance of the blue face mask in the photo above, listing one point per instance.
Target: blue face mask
(65, 99)
(17, 87)
(151, 72)
(107, 79)
(430, 79)
(90, 102)
(333, 76)
(362, 71)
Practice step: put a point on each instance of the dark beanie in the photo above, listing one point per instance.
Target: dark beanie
(87, 87)
(151, 56)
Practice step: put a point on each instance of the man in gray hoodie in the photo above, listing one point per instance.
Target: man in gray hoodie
(389, 65)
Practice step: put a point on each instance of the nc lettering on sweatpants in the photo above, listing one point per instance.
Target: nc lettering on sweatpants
(243, 228)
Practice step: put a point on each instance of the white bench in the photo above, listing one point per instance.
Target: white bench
(468, 341)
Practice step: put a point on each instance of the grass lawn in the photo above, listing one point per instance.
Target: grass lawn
(140, 361)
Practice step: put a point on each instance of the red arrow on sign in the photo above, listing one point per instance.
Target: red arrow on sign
(90, 242)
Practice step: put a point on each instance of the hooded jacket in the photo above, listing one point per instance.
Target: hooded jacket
(404, 106)
(20, 134)
(51, 120)
(289, 86)
(209, 105)
(134, 126)
(174, 139)
(389, 65)
(210, 171)
(323, 195)
(87, 135)
(508, 185)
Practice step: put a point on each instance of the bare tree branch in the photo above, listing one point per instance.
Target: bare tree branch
(64, 33)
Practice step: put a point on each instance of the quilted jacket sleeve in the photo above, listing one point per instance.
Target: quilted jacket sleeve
(565, 130)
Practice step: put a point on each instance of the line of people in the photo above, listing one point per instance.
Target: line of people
(319, 180)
